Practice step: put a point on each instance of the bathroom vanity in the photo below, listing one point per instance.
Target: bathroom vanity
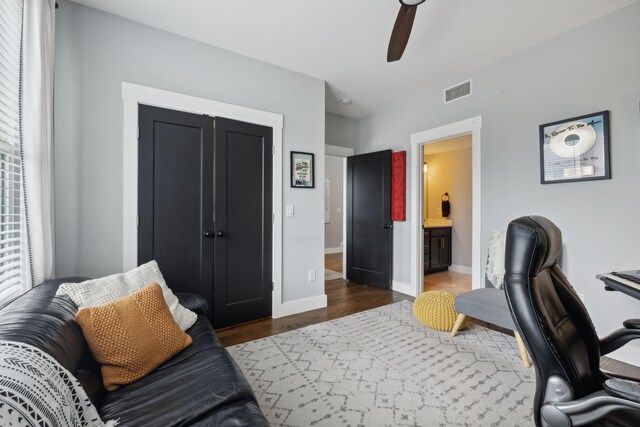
(437, 245)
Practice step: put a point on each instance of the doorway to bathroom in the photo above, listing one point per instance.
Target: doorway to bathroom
(447, 215)
(437, 235)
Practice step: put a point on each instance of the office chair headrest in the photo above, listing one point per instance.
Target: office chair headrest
(533, 245)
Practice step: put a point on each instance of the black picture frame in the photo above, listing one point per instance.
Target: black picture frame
(302, 170)
(575, 149)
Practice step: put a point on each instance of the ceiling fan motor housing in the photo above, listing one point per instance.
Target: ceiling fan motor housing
(412, 2)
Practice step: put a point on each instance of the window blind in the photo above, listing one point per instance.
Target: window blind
(10, 170)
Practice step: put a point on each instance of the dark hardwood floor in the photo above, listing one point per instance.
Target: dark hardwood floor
(456, 283)
(333, 262)
(343, 298)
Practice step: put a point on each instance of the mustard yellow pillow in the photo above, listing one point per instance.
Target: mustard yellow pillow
(132, 336)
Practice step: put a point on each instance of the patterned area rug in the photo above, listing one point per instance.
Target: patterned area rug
(383, 368)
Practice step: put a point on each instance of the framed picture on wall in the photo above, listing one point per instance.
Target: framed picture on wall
(575, 149)
(302, 170)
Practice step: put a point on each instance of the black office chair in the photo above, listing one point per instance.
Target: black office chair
(571, 390)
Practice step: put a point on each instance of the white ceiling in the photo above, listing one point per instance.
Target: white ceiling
(345, 41)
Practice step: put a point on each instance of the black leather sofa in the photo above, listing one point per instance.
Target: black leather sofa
(200, 386)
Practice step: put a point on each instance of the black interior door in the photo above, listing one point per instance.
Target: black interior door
(175, 197)
(243, 222)
(369, 226)
(205, 209)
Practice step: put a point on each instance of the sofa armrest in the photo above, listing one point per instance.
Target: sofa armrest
(193, 302)
(61, 280)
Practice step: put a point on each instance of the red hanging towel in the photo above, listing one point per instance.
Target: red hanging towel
(399, 186)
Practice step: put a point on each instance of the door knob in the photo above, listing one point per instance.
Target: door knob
(209, 234)
(220, 234)
(385, 226)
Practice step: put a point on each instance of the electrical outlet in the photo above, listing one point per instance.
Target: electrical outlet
(312, 275)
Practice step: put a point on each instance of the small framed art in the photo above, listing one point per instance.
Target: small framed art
(575, 149)
(302, 170)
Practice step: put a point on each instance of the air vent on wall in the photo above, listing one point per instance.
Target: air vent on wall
(456, 92)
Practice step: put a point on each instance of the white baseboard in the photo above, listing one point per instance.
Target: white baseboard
(300, 306)
(403, 288)
(460, 269)
(332, 250)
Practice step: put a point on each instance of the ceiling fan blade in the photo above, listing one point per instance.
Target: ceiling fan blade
(401, 32)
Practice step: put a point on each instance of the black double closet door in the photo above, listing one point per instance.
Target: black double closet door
(205, 209)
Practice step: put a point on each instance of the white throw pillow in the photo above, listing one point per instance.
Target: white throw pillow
(97, 292)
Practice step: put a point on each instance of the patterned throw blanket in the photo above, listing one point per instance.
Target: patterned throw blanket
(495, 260)
(36, 391)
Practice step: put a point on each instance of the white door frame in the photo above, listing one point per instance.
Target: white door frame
(132, 96)
(336, 151)
(473, 127)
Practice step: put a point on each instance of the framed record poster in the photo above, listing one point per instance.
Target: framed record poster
(575, 149)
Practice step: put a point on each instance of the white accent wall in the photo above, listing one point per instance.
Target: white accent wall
(95, 53)
(593, 68)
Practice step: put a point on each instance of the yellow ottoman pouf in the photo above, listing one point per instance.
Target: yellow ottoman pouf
(436, 309)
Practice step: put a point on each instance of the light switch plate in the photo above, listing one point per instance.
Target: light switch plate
(289, 211)
(312, 275)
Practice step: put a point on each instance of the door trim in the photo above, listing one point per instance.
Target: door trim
(472, 126)
(132, 95)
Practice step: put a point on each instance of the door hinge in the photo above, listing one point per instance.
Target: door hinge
(273, 218)
(137, 220)
(272, 286)
(273, 150)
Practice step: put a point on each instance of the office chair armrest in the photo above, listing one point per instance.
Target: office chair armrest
(623, 389)
(631, 324)
(617, 339)
(584, 411)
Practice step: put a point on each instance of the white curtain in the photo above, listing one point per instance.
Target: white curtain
(38, 30)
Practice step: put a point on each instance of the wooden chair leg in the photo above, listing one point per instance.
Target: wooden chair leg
(458, 323)
(523, 350)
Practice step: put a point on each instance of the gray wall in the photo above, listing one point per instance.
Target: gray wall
(341, 131)
(333, 167)
(95, 53)
(595, 67)
(450, 172)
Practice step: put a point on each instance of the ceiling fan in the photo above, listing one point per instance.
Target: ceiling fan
(402, 29)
